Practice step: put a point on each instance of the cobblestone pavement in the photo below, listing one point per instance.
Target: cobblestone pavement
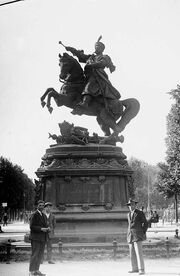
(154, 267)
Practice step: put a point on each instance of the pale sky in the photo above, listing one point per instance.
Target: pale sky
(141, 37)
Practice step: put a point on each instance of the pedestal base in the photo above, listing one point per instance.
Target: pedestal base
(89, 187)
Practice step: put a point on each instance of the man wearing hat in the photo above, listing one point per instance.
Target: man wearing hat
(38, 237)
(137, 227)
(51, 222)
(97, 82)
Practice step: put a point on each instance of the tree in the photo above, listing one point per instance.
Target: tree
(169, 175)
(16, 188)
(144, 176)
(164, 182)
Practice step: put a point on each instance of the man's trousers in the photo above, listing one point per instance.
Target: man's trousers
(49, 249)
(37, 252)
(136, 255)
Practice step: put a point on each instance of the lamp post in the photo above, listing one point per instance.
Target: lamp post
(176, 207)
(24, 207)
(148, 189)
(176, 191)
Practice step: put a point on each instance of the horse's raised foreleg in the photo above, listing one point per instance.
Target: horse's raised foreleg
(43, 103)
(52, 94)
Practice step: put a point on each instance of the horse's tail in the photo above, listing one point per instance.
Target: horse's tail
(132, 107)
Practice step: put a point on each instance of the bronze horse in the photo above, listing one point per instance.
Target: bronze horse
(71, 73)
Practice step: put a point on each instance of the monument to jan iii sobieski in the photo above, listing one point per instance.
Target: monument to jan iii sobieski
(87, 177)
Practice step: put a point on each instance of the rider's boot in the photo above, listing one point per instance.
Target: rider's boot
(86, 101)
(78, 108)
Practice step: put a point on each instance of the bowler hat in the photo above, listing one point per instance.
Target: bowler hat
(131, 201)
(48, 204)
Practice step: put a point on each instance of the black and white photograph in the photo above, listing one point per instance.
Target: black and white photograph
(90, 137)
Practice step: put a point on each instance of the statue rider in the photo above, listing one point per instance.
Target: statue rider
(97, 82)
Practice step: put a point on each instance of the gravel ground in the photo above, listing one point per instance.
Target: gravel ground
(159, 267)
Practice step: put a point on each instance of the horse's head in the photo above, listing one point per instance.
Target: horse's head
(70, 68)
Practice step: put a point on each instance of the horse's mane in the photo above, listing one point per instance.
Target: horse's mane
(70, 58)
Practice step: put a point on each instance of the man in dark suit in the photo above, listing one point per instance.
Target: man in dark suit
(137, 228)
(38, 236)
(51, 222)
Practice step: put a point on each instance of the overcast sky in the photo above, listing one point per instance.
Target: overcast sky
(141, 37)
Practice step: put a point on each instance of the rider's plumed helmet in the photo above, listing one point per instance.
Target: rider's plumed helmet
(100, 44)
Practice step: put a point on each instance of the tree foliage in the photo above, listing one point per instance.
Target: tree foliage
(16, 188)
(165, 184)
(169, 173)
(145, 182)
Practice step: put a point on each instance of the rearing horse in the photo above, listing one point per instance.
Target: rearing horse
(71, 95)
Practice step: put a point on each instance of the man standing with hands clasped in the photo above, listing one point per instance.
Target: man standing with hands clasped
(38, 236)
(137, 228)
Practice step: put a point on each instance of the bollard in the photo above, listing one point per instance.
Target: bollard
(114, 249)
(176, 233)
(167, 247)
(60, 247)
(8, 251)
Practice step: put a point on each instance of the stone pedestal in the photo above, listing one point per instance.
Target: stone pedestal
(88, 186)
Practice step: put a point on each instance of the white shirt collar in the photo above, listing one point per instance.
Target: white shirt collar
(47, 215)
(39, 212)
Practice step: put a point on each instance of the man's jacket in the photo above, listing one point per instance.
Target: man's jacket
(51, 222)
(38, 221)
(137, 227)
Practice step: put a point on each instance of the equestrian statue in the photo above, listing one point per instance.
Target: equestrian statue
(90, 92)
